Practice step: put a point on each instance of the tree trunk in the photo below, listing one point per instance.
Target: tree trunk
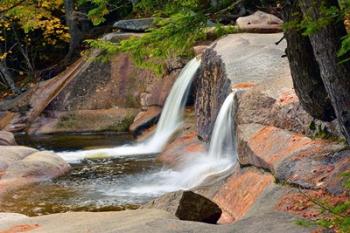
(6, 75)
(305, 71)
(73, 29)
(335, 75)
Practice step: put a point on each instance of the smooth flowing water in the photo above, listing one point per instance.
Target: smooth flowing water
(170, 120)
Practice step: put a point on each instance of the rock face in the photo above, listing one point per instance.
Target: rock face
(7, 138)
(145, 119)
(20, 166)
(240, 192)
(260, 22)
(275, 103)
(117, 85)
(134, 25)
(213, 87)
(290, 157)
(82, 121)
(89, 85)
(187, 205)
(234, 59)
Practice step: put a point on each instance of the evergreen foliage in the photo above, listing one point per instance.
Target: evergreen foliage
(178, 26)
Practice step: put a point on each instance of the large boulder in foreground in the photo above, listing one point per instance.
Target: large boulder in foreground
(20, 166)
(187, 205)
(260, 22)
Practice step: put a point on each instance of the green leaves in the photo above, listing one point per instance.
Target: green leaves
(173, 37)
(345, 48)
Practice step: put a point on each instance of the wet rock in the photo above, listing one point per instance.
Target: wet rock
(145, 119)
(7, 138)
(187, 205)
(212, 89)
(25, 169)
(134, 25)
(181, 148)
(260, 22)
(240, 192)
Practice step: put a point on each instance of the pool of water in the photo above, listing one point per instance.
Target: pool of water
(92, 185)
(72, 142)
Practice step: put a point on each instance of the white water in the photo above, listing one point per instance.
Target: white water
(222, 144)
(197, 169)
(170, 120)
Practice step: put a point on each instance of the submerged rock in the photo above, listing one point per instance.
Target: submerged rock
(260, 22)
(134, 25)
(187, 205)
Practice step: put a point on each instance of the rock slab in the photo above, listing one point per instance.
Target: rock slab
(260, 22)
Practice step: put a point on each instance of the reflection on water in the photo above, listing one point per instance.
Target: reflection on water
(72, 142)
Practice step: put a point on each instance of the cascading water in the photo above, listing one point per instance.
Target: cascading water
(129, 180)
(197, 169)
(222, 144)
(170, 120)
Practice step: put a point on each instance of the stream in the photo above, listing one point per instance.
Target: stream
(92, 185)
(111, 172)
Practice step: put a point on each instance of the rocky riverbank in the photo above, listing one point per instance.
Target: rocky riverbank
(285, 156)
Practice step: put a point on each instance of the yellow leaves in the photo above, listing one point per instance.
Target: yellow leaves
(3, 56)
(37, 15)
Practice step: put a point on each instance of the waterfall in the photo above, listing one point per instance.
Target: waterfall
(170, 120)
(196, 169)
(222, 143)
